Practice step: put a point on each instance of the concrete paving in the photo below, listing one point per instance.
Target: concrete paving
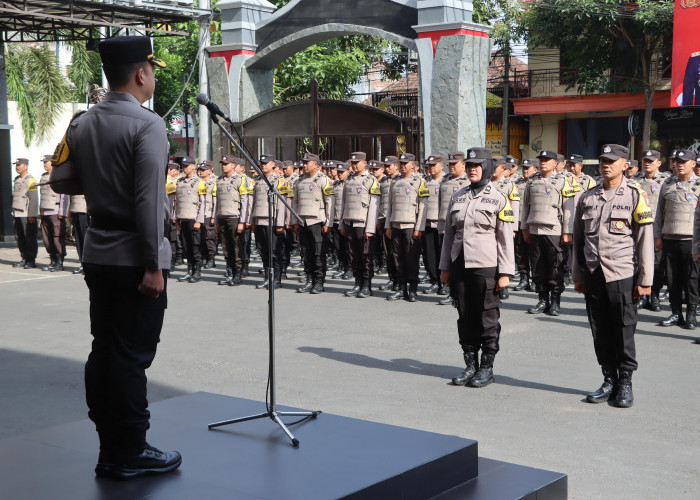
(380, 361)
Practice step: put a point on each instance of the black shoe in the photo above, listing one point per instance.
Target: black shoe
(472, 362)
(78, 270)
(387, 286)
(58, 265)
(400, 293)
(690, 319)
(306, 288)
(697, 341)
(542, 304)
(605, 391)
(210, 264)
(179, 260)
(354, 290)
(642, 301)
(196, 275)
(50, 266)
(365, 290)
(624, 397)
(245, 272)
(673, 320)
(663, 297)
(347, 275)
(432, 288)
(30, 265)
(318, 288)
(504, 293)
(21, 263)
(149, 461)
(277, 282)
(412, 295)
(654, 304)
(554, 306)
(484, 375)
(338, 274)
(227, 278)
(186, 277)
(447, 301)
(444, 289)
(523, 283)
(424, 279)
(531, 287)
(237, 278)
(382, 270)
(568, 279)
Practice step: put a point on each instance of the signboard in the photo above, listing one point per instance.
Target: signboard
(685, 81)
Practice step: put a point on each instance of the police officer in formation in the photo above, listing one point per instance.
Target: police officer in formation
(432, 238)
(190, 206)
(358, 222)
(522, 248)
(673, 235)
(340, 242)
(477, 261)
(54, 209)
(25, 210)
(234, 200)
(405, 221)
(79, 218)
(209, 240)
(314, 202)
(547, 213)
(613, 230)
(379, 256)
(651, 182)
(391, 172)
(510, 190)
(260, 212)
(172, 232)
(291, 238)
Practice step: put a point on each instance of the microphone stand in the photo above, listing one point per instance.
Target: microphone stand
(272, 192)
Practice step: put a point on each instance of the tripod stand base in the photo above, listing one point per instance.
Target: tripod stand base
(275, 416)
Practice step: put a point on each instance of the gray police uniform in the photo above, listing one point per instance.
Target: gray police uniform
(432, 237)
(25, 205)
(259, 214)
(210, 240)
(53, 208)
(172, 232)
(190, 205)
(339, 241)
(385, 188)
(232, 209)
(79, 218)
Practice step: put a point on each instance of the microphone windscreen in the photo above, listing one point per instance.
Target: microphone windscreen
(203, 99)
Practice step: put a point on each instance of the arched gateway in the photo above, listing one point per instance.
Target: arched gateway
(453, 55)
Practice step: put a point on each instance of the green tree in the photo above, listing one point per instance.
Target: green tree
(35, 81)
(85, 70)
(613, 45)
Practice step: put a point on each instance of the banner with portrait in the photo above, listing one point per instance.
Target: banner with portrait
(685, 80)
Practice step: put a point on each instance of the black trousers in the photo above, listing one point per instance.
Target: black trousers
(341, 248)
(681, 271)
(359, 252)
(612, 313)
(80, 224)
(53, 232)
(567, 257)
(26, 234)
(173, 235)
(209, 240)
(390, 264)
(546, 257)
(477, 303)
(191, 242)
(288, 244)
(405, 251)
(261, 239)
(522, 253)
(315, 245)
(659, 272)
(376, 249)
(125, 327)
(247, 242)
(432, 246)
(232, 241)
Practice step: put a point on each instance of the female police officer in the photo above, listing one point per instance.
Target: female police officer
(477, 261)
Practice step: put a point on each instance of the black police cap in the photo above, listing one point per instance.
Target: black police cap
(127, 50)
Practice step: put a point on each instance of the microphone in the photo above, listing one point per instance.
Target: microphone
(211, 106)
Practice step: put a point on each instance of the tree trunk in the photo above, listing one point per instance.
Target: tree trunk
(646, 128)
(195, 132)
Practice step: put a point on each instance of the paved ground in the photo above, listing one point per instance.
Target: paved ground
(380, 361)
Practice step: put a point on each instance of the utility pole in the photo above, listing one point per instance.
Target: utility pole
(204, 152)
(506, 99)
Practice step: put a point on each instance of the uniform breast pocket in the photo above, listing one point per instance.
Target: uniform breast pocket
(591, 222)
(484, 218)
(620, 223)
(457, 217)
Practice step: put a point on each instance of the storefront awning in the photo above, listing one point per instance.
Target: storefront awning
(587, 103)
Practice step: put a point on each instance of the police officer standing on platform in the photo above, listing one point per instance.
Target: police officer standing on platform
(53, 208)
(613, 231)
(25, 210)
(190, 206)
(210, 241)
(477, 260)
(358, 222)
(120, 150)
(314, 202)
(432, 238)
(547, 213)
(232, 214)
(673, 235)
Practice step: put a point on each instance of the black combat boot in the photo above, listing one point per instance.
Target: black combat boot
(654, 304)
(433, 288)
(531, 287)
(236, 278)
(412, 292)
(523, 283)
(642, 301)
(504, 293)
(339, 273)
(365, 290)
(387, 286)
(472, 361)
(50, 265)
(347, 275)
(568, 279)
(356, 289)
(605, 391)
(306, 287)
(690, 319)
(265, 282)
(210, 264)
(400, 293)
(424, 279)
(447, 301)
(676, 318)
(78, 270)
(245, 272)
(623, 396)
(277, 281)
(318, 288)
(445, 289)
(196, 274)
(32, 264)
(484, 375)
(179, 260)
(542, 304)
(186, 277)
(21, 263)
(58, 266)
(554, 306)
(227, 278)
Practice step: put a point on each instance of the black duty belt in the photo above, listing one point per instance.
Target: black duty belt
(113, 224)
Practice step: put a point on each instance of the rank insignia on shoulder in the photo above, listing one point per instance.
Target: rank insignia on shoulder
(506, 215)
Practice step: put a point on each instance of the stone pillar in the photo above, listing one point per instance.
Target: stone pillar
(454, 56)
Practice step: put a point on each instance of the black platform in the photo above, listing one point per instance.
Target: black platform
(338, 457)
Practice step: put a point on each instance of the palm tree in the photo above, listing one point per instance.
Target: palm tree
(35, 81)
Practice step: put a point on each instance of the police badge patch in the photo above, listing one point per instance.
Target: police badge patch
(548, 189)
(689, 197)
